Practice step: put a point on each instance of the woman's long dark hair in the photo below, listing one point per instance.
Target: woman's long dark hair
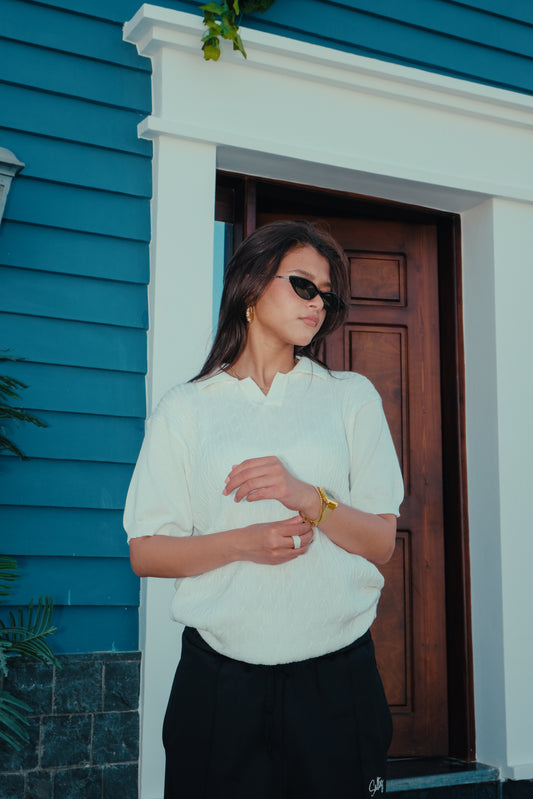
(252, 267)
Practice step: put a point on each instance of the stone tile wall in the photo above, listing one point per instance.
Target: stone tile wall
(84, 731)
(520, 789)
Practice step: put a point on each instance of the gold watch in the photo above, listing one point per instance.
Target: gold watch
(328, 503)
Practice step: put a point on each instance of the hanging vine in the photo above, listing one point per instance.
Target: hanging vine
(222, 20)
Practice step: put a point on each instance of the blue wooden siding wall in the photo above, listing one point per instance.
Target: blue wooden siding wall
(74, 259)
(73, 273)
(487, 41)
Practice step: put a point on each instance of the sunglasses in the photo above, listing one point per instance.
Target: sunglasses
(307, 290)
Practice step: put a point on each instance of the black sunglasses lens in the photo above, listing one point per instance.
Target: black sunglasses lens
(332, 302)
(303, 287)
(307, 290)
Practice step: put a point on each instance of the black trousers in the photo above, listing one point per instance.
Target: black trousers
(318, 728)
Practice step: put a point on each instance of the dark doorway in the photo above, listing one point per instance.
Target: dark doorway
(404, 333)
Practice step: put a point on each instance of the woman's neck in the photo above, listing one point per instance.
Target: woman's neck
(262, 364)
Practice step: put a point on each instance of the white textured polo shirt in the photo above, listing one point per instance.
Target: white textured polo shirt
(328, 429)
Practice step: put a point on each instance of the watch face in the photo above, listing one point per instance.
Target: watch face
(332, 501)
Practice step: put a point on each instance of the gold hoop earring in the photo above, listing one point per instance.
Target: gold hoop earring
(250, 314)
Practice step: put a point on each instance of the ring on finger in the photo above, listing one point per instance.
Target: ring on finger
(297, 541)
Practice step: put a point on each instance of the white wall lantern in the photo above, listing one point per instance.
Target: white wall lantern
(10, 166)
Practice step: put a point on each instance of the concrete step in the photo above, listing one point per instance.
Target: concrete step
(442, 778)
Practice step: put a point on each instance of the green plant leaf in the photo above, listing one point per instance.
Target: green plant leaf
(229, 31)
(223, 19)
(21, 638)
(238, 45)
(9, 387)
(211, 49)
(8, 574)
(214, 8)
(27, 638)
(212, 35)
(13, 722)
(8, 445)
(8, 412)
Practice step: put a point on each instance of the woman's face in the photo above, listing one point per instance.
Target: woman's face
(280, 314)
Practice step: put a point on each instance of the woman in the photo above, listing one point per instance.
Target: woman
(269, 488)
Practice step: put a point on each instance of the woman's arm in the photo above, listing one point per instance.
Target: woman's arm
(367, 534)
(370, 535)
(187, 556)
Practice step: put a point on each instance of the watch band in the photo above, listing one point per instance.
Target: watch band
(328, 503)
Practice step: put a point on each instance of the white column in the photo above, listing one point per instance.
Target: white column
(181, 286)
(483, 481)
(497, 246)
(513, 252)
(180, 298)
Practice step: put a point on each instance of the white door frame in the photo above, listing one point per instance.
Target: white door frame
(298, 112)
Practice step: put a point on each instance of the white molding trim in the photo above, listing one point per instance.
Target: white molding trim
(153, 28)
(311, 105)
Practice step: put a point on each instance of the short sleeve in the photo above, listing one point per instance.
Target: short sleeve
(158, 498)
(376, 483)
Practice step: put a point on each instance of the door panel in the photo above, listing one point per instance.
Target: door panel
(391, 336)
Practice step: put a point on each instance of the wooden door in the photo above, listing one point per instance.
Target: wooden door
(392, 336)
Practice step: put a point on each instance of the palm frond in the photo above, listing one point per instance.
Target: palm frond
(10, 357)
(8, 445)
(13, 722)
(27, 637)
(9, 386)
(20, 415)
(9, 392)
(8, 574)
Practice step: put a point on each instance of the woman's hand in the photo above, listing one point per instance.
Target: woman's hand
(268, 478)
(273, 543)
(371, 535)
(175, 556)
